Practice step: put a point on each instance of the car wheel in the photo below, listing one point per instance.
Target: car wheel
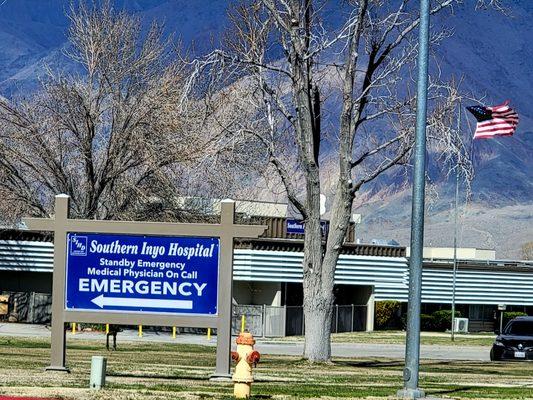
(493, 356)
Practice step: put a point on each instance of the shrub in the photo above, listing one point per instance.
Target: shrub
(387, 314)
(93, 327)
(437, 321)
(509, 315)
(427, 322)
(443, 319)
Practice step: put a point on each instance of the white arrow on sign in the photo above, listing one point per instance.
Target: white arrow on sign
(102, 301)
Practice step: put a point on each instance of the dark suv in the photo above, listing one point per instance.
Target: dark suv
(515, 342)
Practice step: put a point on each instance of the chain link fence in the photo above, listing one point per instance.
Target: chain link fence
(272, 321)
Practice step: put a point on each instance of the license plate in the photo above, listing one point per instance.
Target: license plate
(519, 354)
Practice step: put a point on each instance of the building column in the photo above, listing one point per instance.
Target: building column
(276, 301)
(370, 310)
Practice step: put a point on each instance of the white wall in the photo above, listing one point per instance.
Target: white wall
(493, 284)
(268, 293)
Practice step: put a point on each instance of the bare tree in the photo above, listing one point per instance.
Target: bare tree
(297, 69)
(119, 135)
(527, 251)
(498, 5)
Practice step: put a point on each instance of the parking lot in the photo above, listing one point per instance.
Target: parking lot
(435, 346)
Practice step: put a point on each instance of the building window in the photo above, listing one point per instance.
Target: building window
(481, 312)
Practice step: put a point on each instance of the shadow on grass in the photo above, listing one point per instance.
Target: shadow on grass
(451, 391)
(471, 367)
(163, 377)
(181, 377)
(440, 366)
(369, 363)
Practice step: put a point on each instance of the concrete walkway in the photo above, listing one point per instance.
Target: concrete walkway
(434, 352)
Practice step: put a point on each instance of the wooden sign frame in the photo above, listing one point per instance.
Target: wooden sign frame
(226, 230)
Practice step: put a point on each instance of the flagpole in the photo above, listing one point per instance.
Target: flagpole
(455, 250)
(412, 346)
(455, 222)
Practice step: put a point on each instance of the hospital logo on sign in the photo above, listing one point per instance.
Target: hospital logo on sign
(78, 245)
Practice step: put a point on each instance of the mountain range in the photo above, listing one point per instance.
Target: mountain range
(490, 51)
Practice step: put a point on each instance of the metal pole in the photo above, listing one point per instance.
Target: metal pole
(455, 251)
(353, 311)
(263, 320)
(412, 351)
(455, 225)
(337, 319)
(303, 322)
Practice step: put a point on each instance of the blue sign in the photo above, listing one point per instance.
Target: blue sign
(297, 227)
(151, 274)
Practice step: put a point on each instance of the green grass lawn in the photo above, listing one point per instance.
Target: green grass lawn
(398, 337)
(173, 371)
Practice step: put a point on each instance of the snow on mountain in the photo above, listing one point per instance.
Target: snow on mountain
(493, 53)
(32, 32)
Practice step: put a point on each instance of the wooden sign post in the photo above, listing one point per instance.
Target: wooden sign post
(69, 232)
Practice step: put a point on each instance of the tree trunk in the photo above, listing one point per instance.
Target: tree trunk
(318, 293)
(319, 280)
(318, 313)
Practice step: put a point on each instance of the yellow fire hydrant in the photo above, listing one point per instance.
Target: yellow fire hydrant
(245, 357)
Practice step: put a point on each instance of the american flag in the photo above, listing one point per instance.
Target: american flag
(494, 121)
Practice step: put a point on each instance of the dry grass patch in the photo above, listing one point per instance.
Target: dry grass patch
(142, 371)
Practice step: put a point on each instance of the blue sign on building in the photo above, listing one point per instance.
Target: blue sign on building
(297, 227)
(155, 274)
